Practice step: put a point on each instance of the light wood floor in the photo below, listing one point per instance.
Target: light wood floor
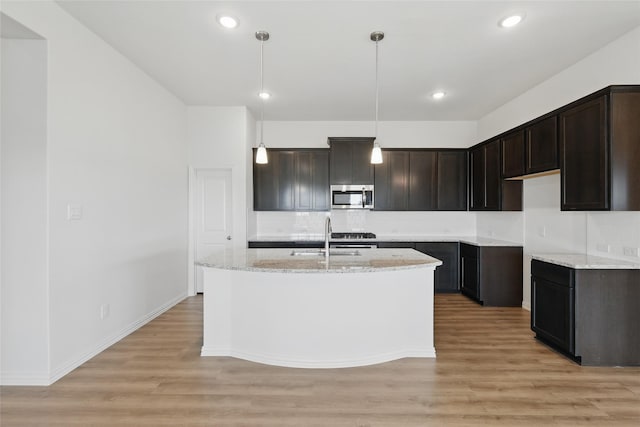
(489, 371)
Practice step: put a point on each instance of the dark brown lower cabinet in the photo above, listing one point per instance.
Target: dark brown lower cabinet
(446, 279)
(590, 315)
(492, 275)
(553, 304)
(285, 244)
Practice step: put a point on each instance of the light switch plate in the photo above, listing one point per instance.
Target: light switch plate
(603, 247)
(542, 231)
(74, 212)
(629, 251)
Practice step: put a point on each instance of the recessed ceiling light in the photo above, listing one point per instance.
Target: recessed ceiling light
(264, 95)
(227, 21)
(438, 95)
(511, 21)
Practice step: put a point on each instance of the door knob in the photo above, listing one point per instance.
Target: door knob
(228, 237)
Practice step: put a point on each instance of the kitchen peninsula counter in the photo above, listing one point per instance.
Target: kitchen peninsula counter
(258, 307)
(586, 262)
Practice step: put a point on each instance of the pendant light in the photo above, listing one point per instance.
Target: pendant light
(261, 154)
(376, 153)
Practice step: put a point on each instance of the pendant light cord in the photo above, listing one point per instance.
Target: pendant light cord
(376, 128)
(261, 91)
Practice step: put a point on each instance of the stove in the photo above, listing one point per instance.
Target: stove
(353, 235)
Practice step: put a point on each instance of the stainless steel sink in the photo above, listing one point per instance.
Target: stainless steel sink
(344, 252)
(320, 252)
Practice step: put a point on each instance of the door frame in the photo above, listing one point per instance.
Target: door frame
(192, 241)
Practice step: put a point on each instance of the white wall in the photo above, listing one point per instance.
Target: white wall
(116, 147)
(220, 137)
(300, 134)
(581, 232)
(24, 294)
(280, 134)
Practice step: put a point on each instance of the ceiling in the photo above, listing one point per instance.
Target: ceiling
(320, 63)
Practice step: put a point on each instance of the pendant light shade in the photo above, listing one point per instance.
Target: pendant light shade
(261, 154)
(376, 153)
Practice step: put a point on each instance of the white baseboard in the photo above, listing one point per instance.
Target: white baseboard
(288, 362)
(526, 305)
(25, 379)
(69, 366)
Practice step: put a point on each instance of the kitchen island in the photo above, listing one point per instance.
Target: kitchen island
(293, 308)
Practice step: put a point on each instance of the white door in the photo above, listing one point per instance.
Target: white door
(213, 220)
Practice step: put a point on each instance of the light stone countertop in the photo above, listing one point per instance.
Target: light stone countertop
(586, 262)
(472, 240)
(282, 260)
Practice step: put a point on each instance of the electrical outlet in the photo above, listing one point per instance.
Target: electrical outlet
(629, 251)
(74, 212)
(603, 247)
(104, 311)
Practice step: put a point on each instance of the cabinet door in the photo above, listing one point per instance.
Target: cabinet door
(452, 181)
(541, 142)
(312, 180)
(469, 271)
(321, 192)
(446, 275)
(350, 161)
(476, 164)
(513, 154)
(552, 315)
(391, 182)
(286, 178)
(265, 184)
(423, 180)
(341, 157)
(584, 157)
(273, 183)
(362, 169)
(493, 181)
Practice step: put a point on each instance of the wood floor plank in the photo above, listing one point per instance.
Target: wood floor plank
(489, 371)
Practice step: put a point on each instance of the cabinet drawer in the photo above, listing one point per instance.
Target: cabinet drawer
(552, 272)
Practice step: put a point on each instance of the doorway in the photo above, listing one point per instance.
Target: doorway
(211, 219)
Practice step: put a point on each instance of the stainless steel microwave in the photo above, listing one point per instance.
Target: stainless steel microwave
(352, 197)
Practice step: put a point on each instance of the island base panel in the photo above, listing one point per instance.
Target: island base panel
(318, 320)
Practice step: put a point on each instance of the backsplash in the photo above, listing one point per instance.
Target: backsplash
(380, 223)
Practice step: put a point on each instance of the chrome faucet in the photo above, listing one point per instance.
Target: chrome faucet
(327, 236)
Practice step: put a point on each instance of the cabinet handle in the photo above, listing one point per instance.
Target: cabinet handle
(462, 272)
(228, 237)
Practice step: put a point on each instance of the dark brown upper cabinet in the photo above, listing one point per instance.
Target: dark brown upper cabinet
(489, 192)
(600, 151)
(391, 182)
(350, 161)
(421, 180)
(513, 154)
(293, 180)
(531, 150)
(541, 146)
